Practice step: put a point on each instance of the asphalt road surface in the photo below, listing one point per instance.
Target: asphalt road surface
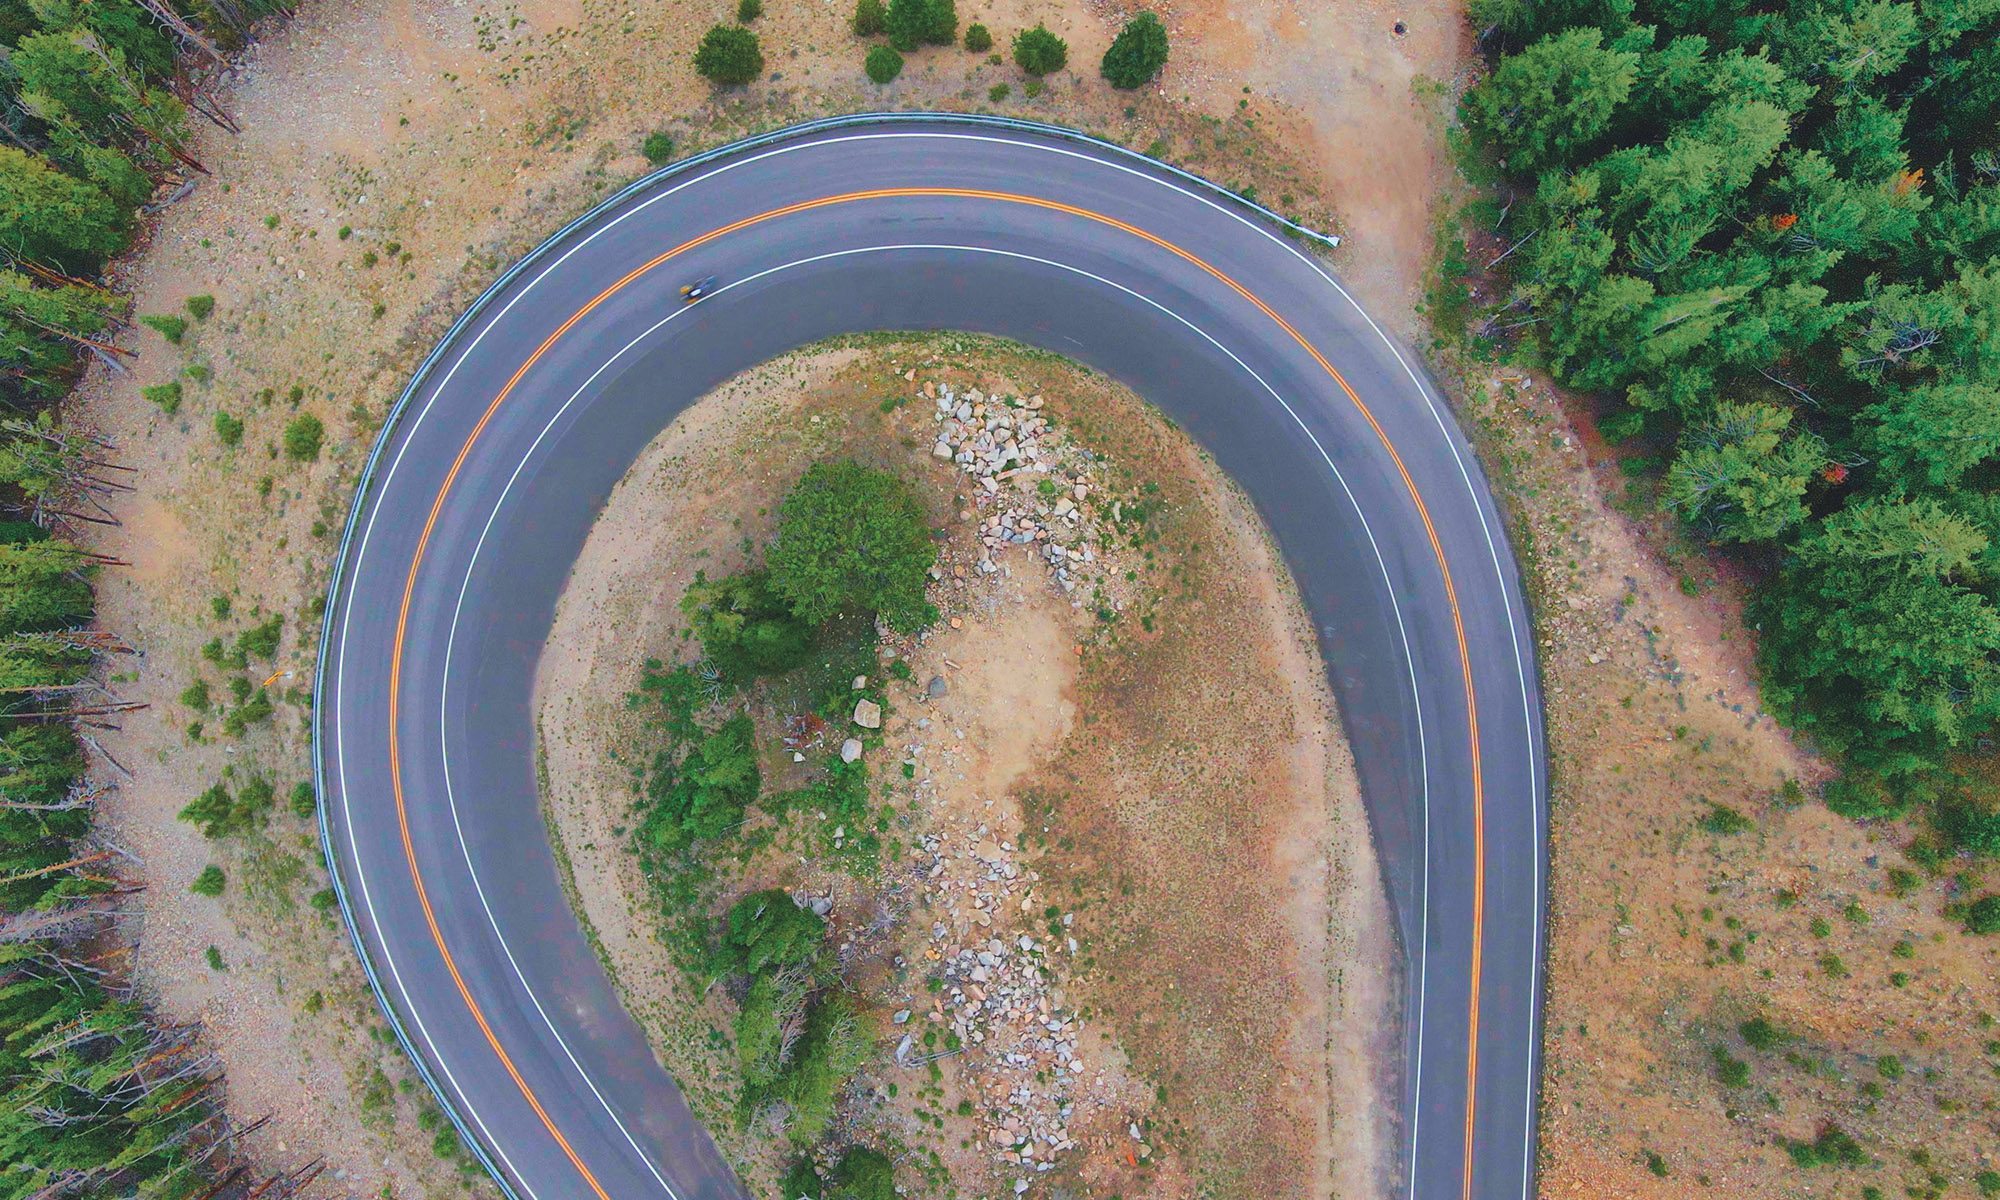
(515, 434)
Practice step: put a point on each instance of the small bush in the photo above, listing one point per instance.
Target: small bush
(1039, 52)
(257, 709)
(1833, 1147)
(728, 56)
(978, 38)
(1988, 1182)
(200, 306)
(228, 429)
(768, 929)
(1656, 1164)
(1034, 88)
(1863, 797)
(883, 64)
(1732, 1071)
(271, 222)
(166, 395)
(303, 438)
(1982, 916)
(1723, 820)
(912, 23)
(746, 628)
(853, 540)
(324, 899)
(999, 92)
(658, 148)
(1889, 1067)
(1761, 1034)
(1137, 53)
(346, 231)
(209, 883)
(198, 372)
(748, 11)
(220, 606)
(214, 957)
(262, 640)
(305, 801)
(445, 1144)
(196, 696)
(869, 18)
(171, 328)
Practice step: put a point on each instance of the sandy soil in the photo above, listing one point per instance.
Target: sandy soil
(1267, 848)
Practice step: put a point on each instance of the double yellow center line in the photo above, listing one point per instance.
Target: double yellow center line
(437, 507)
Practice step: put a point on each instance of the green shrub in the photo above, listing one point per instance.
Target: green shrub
(262, 640)
(1833, 1147)
(1982, 916)
(830, 1050)
(228, 429)
(883, 64)
(1724, 820)
(1031, 89)
(729, 56)
(863, 1174)
(978, 38)
(705, 794)
(1761, 1034)
(200, 306)
(221, 606)
(445, 1144)
(196, 696)
(1137, 53)
(198, 372)
(324, 899)
(209, 883)
(1656, 1164)
(1889, 1067)
(912, 23)
(346, 231)
(166, 395)
(802, 1182)
(1732, 1071)
(999, 92)
(257, 708)
(214, 956)
(766, 929)
(1863, 796)
(170, 327)
(1988, 1182)
(303, 438)
(853, 540)
(1039, 52)
(746, 628)
(658, 147)
(305, 801)
(1970, 825)
(748, 11)
(214, 812)
(869, 19)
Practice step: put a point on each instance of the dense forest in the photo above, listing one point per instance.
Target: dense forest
(97, 1097)
(1769, 237)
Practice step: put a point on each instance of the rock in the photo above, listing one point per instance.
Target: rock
(903, 1047)
(868, 714)
(942, 449)
(820, 905)
(902, 1016)
(936, 688)
(1020, 1185)
(850, 750)
(797, 757)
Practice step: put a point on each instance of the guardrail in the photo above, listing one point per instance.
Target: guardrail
(392, 420)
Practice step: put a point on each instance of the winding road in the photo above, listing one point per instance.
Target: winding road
(487, 478)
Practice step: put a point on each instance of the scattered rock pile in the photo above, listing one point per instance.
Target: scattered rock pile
(1001, 1002)
(1034, 489)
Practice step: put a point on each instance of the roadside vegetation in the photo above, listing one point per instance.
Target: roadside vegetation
(1770, 241)
(1759, 249)
(852, 548)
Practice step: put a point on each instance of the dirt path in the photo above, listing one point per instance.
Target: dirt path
(1264, 846)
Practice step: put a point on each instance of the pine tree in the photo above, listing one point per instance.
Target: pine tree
(45, 216)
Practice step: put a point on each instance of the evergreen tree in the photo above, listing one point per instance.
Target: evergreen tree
(45, 216)
(1137, 53)
(1552, 99)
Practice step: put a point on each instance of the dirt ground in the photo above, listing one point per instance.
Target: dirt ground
(393, 156)
(1064, 752)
